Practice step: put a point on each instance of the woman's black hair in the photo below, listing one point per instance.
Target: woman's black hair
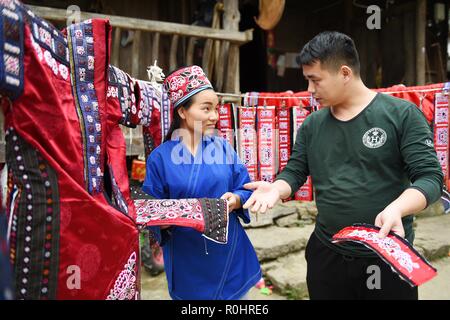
(176, 119)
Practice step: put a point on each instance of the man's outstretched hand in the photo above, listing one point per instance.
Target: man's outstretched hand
(265, 195)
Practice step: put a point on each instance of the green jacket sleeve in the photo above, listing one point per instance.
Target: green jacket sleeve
(296, 171)
(419, 155)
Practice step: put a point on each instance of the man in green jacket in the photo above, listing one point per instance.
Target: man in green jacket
(371, 159)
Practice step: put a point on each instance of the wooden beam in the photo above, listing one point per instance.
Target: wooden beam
(421, 19)
(150, 25)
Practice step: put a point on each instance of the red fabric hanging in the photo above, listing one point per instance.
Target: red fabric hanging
(441, 132)
(247, 138)
(418, 95)
(225, 123)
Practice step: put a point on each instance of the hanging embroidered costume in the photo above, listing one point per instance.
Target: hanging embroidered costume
(72, 230)
(197, 268)
(73, 234)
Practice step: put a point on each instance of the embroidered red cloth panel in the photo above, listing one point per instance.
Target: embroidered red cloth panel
(394, 250)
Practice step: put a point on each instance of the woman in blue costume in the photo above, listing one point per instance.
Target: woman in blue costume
(194, 163)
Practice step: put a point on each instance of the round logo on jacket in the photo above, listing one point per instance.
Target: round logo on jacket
(374, 138)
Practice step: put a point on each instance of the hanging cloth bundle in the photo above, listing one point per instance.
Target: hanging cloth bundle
(270, 12)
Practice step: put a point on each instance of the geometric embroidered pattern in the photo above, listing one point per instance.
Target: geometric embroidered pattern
(11, 50)
(81, 47)
(166, 113)
(146, 96)
(208, 216)
(48, 37)
(35, 220)
(120, 87)
(117, 196)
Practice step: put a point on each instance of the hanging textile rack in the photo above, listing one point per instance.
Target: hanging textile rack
(238, 96)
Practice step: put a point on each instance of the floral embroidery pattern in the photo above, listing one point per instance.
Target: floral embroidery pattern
(125, 285)
(394, 250)
(389, 246)
(184, 83)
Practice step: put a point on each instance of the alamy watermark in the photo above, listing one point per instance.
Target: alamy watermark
(374, 280)
(73, 282)
(73, 14)
(374, 20)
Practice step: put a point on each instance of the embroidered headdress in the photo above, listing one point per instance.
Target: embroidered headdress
(184, 83)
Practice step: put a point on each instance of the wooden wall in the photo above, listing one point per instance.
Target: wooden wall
(178, 11)
(388, 55)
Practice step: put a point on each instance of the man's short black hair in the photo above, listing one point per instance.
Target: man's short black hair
(333, 49)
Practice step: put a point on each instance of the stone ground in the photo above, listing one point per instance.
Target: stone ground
(439, 287)
(280, 239)
(155, 288)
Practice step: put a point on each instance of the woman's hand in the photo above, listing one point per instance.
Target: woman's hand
(233, 201)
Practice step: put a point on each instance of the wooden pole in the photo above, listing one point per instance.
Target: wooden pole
(155, 46)
(173, 52)
(135, 55)
(231, 23)
(115, 54)
(190, 51)
(421, 17)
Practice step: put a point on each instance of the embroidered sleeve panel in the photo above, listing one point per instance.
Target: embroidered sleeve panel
(149, 100)
(146, 95)
(121, 89)
(208, 216)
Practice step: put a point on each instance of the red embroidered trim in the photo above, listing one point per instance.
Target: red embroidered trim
(394, 250)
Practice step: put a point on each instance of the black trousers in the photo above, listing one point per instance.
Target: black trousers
(331, 275)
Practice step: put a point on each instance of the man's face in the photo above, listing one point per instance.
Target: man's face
(325, 85)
